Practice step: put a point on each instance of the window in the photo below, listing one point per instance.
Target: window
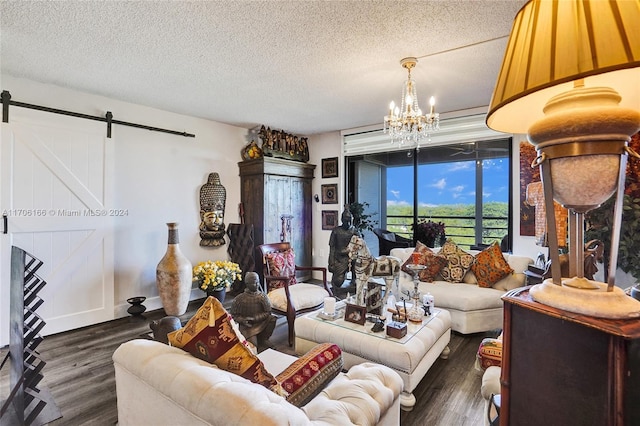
(466, 185)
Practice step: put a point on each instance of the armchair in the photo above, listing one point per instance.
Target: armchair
(489, 362)
(288, 297)
(388, 240)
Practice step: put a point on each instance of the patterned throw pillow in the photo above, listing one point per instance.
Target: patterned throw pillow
(490, 352)
(281, 264)
(458, 262)
(210, 336)
(308, 375)
(428, 258)
(490, 266)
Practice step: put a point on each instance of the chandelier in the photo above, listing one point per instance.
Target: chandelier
(407, 124)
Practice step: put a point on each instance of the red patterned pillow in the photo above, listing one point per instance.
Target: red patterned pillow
(425, 256)
(458, 262)
(281, 264)
(209, 335)
(490, 352)
(490, 266)
(308, 375)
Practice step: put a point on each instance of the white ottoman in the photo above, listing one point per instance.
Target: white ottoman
(411, 356)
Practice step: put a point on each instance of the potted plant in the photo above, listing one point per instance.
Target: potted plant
(216, 277)
(361, 220)
(427, 232)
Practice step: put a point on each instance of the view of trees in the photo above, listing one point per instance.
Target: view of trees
(459, 220)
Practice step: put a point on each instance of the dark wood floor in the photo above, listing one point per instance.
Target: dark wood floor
(80, 375)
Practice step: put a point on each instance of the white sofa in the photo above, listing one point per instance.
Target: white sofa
(473, 309)
(157, 384)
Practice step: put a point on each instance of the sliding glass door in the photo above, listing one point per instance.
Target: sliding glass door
(466, 186)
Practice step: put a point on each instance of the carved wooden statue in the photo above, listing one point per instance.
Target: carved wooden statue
(213, 197)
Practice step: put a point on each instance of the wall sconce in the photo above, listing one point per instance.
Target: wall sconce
(570, 79)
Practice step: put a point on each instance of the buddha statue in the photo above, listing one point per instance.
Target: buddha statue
(339, 263)
(252, 311)
(212, 203)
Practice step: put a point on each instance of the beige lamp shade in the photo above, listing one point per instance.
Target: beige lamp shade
(570, 80)
(554, 43)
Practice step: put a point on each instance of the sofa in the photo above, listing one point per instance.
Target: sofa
(162, 385)
(473, 308)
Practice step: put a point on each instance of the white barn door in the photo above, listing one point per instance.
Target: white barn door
(56, 175)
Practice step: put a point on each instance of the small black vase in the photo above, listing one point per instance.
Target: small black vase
(136, 308)
(218, 294)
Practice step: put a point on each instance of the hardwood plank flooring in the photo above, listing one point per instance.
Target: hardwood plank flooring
(80, 375)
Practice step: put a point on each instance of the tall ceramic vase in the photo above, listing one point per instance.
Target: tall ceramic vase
(173, 276)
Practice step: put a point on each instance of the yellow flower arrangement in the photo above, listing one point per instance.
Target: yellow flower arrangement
(216, 275)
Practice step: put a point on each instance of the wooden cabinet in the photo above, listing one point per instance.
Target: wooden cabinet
(561, 368)
(273, 188)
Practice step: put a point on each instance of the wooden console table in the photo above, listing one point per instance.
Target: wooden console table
(561, 368)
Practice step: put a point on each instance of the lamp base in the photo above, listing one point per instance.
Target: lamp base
(597, 303)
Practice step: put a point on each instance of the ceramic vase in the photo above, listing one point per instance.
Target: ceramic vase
(174, 276)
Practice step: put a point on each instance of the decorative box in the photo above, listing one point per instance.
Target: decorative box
(397, 329)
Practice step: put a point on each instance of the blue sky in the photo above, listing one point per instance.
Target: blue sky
(449, 183)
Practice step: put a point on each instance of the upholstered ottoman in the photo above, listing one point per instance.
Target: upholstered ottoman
(411, 356)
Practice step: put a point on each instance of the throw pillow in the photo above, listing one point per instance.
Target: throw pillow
(210, 336)
(308, 375)
(428, 258)
(281, 264)
(490, 266)
(458, 262)
(490, 352)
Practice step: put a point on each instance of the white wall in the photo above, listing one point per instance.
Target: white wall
(321, 146)
(157, 179)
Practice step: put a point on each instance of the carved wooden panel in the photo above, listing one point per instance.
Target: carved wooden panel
(241, 249)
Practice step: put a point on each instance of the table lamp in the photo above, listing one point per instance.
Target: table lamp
(570, 80)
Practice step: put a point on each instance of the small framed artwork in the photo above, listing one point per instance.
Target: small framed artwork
(355, 313)
(330, 193)
(330, 167)
(329, 219)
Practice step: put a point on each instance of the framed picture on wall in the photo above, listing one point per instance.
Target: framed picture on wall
(330, 167)
(330, 193)
(329, 219)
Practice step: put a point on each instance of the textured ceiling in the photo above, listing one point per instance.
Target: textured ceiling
(304, 67)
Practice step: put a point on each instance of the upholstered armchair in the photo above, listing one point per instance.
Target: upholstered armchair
(287, 296)
(489, 361)
(489, 353)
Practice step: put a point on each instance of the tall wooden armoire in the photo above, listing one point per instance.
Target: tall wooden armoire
(277, 192)
(563, 368)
